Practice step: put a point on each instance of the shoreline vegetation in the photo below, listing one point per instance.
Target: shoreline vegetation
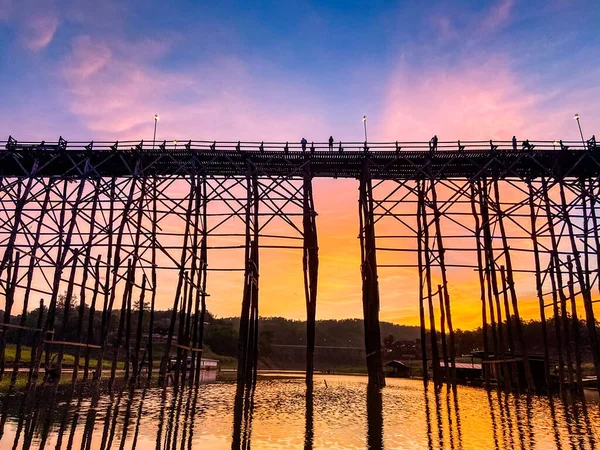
(339, 344)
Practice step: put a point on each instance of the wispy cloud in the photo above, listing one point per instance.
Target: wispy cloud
(38, 31)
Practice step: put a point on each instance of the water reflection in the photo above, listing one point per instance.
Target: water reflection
(282, 413)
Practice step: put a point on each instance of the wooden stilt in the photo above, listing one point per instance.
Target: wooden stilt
(444, 288)
(12, 277)
(166, 356)
(310, 265)
(90, 333)
(480, 272)
(512, 291)
(538, 282)
(575, 324)
(419, 214)
(370, 282)
(585, 291)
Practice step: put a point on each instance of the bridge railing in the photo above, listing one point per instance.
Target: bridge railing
(337, 146)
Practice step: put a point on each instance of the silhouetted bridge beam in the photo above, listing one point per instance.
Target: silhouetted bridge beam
(465, 159)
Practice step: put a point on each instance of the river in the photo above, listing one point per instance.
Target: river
(343, 414)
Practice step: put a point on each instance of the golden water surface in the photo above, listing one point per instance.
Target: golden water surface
(341, 414)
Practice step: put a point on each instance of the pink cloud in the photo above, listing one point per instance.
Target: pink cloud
(474, 101)
(38, 31)
(116, 87)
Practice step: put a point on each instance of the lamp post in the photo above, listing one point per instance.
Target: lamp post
(365, 124)
(175, 142)
(155, 122)
(554, 144)
(580, 132)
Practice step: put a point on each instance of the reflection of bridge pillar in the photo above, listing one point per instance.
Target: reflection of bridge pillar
(370, 287)
(310, 264)
(248, 334)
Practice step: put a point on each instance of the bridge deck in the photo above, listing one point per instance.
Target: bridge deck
(384, 161)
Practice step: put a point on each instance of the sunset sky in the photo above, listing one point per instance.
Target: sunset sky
(283, 70)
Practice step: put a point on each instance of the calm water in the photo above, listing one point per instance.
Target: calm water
(342, 415)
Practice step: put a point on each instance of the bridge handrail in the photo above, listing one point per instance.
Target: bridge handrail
(245, 146)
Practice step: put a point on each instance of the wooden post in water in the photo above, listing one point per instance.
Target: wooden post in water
(30, 272)
(575, 322)
(445, 307)
(480, 272)
(310, 266)
(443, 333)
(512, 291)
(135, 357)
(182, 275)
(538, 283)
(90, 333)
(419, 214)
(370, 286)
(585, 291)
(11, 284)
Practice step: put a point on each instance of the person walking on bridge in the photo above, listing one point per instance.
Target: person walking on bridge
(330, 143)
(303, 142)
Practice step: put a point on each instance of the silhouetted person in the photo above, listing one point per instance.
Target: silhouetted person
(303, 142)
(330, 143)
(514, 142)
(433, 143)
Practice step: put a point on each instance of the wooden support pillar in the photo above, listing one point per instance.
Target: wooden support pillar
(370, 287)
(435, 354)
(575, 322)
(538, 282)
(182, 275)
(201, 293)
(90, 333)
(445, 307)
(310, 265)
(248, 333)
(153, 277)
(585, 291)
(11, 284)
(443, 333)
(512, 291)
(480, 272)
(419, 215)
(30, 272)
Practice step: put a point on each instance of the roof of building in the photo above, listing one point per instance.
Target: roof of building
(464, 366)
(396, 363)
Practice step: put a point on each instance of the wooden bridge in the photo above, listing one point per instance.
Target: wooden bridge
(102, 220)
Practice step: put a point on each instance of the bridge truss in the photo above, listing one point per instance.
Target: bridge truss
(110, 224)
